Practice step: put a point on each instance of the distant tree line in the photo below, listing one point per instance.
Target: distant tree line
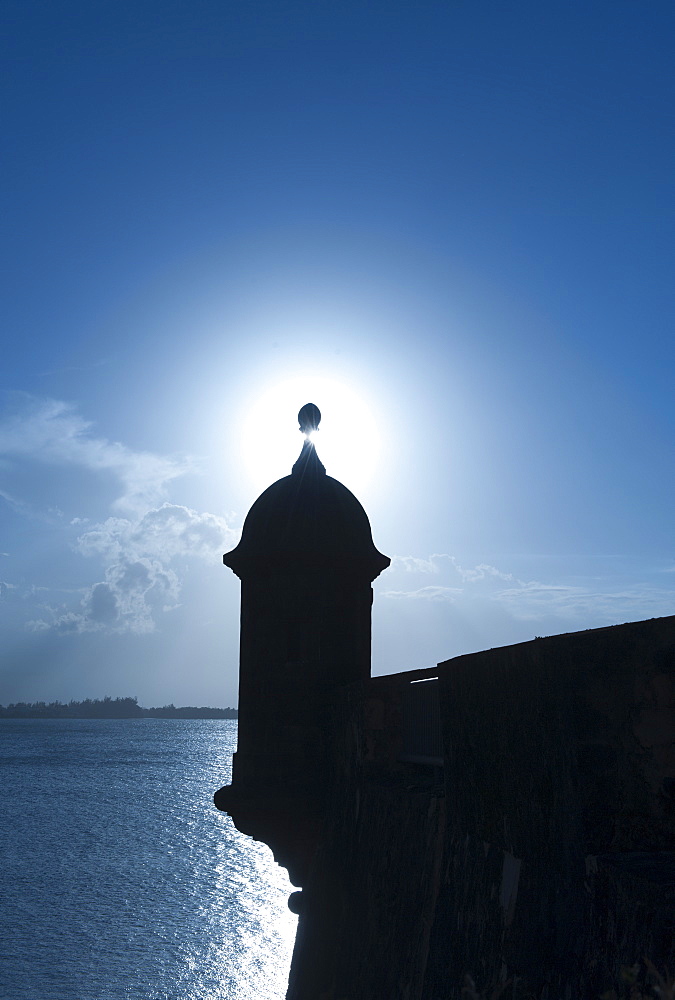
(108, 708)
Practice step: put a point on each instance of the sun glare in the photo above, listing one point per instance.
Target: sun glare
(347, 440)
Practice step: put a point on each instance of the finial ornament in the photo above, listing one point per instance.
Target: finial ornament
(309, 418)
(309, 462)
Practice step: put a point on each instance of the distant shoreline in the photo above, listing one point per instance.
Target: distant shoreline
(109, 708)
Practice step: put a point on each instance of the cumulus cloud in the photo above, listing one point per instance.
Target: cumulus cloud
(143, 548)
(164, 533)
(127, 600)
(52, 432)
(139, 581)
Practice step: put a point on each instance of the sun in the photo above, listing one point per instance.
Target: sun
(347, 441)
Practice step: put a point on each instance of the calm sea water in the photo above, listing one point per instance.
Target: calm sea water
(118, 876)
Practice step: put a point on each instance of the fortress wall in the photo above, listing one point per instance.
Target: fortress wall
(570, 739)
(542, 849)
(560, 767)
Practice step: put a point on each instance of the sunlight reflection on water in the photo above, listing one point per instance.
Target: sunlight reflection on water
(121, 878)
(263, 940)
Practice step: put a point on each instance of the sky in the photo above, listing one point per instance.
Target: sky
(448, 224)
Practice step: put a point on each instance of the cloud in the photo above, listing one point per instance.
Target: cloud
(483, 572)
(52, 432)
(143, 548)
(164, 533)
(439, 561)
(20, 592)
(532, 600)
(19, 506)
(103, 606)
(535, 601)
(139, 581)
(414, 564)
(128, 600)
(426, 594)
(6, 590)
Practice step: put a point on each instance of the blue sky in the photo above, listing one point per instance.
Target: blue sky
(450, 225)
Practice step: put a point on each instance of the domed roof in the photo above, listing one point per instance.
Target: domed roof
(308, 520)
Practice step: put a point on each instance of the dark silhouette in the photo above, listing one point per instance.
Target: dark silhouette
(507, 815)
(309, 418)
(108, 708)
(306, 561)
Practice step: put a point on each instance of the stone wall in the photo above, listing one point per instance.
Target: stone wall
(540, 853)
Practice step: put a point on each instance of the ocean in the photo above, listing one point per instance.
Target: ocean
(120, 880)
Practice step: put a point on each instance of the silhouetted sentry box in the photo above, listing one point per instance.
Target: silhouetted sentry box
(306, 561)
